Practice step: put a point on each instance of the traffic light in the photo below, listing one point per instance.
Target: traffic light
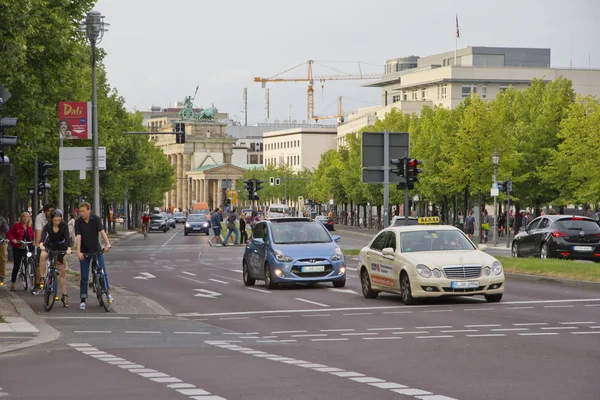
(502, 186)
(180, 133)
(398, 164)
(258, 185)
(44, 174)
(6, 122)
(412, 172)
(249, 186)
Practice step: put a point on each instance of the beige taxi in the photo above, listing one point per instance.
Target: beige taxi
(419, 261)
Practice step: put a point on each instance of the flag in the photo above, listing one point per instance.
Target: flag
(457, 30)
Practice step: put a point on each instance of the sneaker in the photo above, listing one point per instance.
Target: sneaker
(110, 298)
(36, 290)
(210, 243)
(82, 305)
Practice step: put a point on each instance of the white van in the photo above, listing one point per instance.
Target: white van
(277, 211)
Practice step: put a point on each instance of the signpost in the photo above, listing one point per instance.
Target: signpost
(376, 150)
(80, 158)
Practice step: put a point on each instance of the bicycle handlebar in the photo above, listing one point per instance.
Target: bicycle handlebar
(88, 255)
(55, 252)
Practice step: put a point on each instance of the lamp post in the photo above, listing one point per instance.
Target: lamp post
(95, 27)
(495, 160)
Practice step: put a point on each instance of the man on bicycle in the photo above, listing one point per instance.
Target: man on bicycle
(145, 223)
(88, 229)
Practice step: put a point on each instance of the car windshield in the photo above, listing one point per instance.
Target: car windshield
(321, 218)
(299, 232)
(402, 222)
(197, 218)
(178, 214)
(156, 217)
(571, 224)
(434, 240)
(276, 210)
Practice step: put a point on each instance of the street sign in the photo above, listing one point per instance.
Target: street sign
(494, 192)
(5, 95)
(373, 159)
(80, 158)
(495, 185)
(331, 200)
(300, 200)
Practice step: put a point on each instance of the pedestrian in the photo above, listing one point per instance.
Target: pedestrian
(243, 232)
(20, 231)
(56, 237)
(470, 225)
(71, 225)
(597, 215)
(3, 248)
(487, 221)
(215, 219)
(41, 220)
(525, 220)
(232, 228)
(88, 229)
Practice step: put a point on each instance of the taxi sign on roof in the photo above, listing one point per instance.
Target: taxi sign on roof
(429, 220)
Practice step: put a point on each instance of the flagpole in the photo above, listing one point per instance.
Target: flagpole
(456, 42)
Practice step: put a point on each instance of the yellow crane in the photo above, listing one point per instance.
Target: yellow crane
(310, 78)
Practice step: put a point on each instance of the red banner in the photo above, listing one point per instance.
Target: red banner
(75, 120)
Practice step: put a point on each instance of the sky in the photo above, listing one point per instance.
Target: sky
(159, 51)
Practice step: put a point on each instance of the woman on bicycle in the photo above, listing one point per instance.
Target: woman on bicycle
(55, 237)
(20, 231)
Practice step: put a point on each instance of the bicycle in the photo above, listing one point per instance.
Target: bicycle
(99, 280)
(51, 283)
(145, 228)
(27, 267)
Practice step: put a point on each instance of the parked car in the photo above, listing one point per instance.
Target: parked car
(158, 222)
(293, 250)
(560, 236)
(179, 217)
(326, 221)
(196, 223)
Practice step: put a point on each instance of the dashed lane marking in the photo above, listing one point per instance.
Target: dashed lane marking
(218, 281)
(435, 337)
(259, 290)
(488, 335)
(337, 330)
(577, 323)
(586, 333)
(531, 324)
(310, 302)
(188, 273)
(153, 375)
(143, 332)
(482, 326)
(539, 334)
(383, 338)
(189, 279)
(92, 331)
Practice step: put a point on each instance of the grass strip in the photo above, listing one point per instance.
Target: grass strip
(553, 268)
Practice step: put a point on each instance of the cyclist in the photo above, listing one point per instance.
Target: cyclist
(145, 223)
(20, 231)
(88, 229)
(56, 237)
(40, 221)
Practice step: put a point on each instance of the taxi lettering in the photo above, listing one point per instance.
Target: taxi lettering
(383, 281)
(382, 269)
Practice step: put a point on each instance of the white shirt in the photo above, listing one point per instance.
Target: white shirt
(40, 221)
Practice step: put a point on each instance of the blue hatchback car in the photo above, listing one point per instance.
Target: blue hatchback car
(293, 250)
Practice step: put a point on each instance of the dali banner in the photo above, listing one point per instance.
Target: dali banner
(75, 120)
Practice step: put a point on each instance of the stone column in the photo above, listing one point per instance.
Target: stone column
(172, 192)
(185, 184)
(179, 164)
(204, 187)
(219, 193)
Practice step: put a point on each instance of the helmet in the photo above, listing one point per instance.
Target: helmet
(57, 213)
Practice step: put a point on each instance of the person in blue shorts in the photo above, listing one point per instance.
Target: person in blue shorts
(215, 220)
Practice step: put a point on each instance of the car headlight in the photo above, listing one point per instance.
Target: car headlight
(205, 225)
(487, 271)
(437, 273)
(497, 267)
(424, 271)
(338, 255)
(187, 225)
(280, 256)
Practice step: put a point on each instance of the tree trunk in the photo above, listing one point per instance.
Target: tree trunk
(378, 225)
(365, 222)
(481, 207)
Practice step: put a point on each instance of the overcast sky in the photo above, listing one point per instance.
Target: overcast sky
(159, 51)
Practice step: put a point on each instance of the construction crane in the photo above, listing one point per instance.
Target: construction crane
(339, 116)
(310, 78)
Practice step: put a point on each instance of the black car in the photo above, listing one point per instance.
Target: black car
(326, 221)
(158, 222)
(196, 223)
(559, 236)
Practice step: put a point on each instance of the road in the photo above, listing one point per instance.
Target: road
(191, 329)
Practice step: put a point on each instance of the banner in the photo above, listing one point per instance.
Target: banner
(75, 120)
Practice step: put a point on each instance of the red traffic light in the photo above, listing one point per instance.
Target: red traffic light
(414, 163)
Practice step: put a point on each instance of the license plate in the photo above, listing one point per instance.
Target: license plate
(582, 248)
(464, 285)
(316, 268)
(156, 227)
(196, 229)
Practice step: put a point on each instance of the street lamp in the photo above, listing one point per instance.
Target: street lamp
(94, 28)
(495, 160)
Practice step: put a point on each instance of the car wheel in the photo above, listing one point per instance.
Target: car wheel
(207, 233)
(365, 283)
(248, 281)
(407, 296)
(339, 284)
(544, 251)
(515, 250)
(185, 233)
(493, 298)
(268, 279)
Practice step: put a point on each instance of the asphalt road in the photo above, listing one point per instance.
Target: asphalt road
(198, 332)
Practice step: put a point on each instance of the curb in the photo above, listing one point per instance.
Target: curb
(46, 334)
(554, 281)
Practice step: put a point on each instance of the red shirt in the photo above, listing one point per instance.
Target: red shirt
(16, 232)
(146, 218)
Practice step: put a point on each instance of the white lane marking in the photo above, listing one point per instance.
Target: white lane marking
(278, 332)
(434, 327)
(336, 330)
(307, 310)
(266, 341)
(351, 269)
(218, 281)
(586, 333)
(328, 369)
(206, 293)
(477, 309)
(509, 329)
(577, 323)
(435, 337)
(436, 311)
(559, 306)
(232, 318)
(487, 335)
(384, 329)
(192, 333)
(310, 335)
(594, 327)
(460, 330)
(85, 317)
(259, 290)
(539, 334)
(311, 302)
(143, 332)
(275, 316)
(482, 326)
(151, 374)
(190, 279)
(269, 337)
(411, 392)
(226, 277)
(554, 328)
(398, 312)
(92, 331)
(360, 334)
(317, 315)
(409, 333)
(552, 301)
(363, 313)
(387, 385)
(518, 308)
(347, 374)
(532, 324)
(237, 270)
(592, 305)
(188, 273)
(145, 276)
(333, 339)
(367, 379)
(349, 291)
(383, 338)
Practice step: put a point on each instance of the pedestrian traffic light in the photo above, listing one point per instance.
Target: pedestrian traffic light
(398, 164)
(180, 133)
(249, 186)
(258, 185)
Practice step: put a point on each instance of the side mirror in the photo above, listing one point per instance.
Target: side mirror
(482, 247)
(258, 241)
(336, 238)
(388, 251)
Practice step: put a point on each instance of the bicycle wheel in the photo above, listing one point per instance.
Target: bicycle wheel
(105, 302)
(50, 290)
(23, 275)
(98, 289)
(31, 272)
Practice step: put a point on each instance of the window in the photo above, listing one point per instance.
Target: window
(415, 94)
(468, 90)
(503, 88)
(379, 242)
(404, 95)
(484, 91)
(444, 91)
(396, 98)
(424, 94)
(390, 241)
